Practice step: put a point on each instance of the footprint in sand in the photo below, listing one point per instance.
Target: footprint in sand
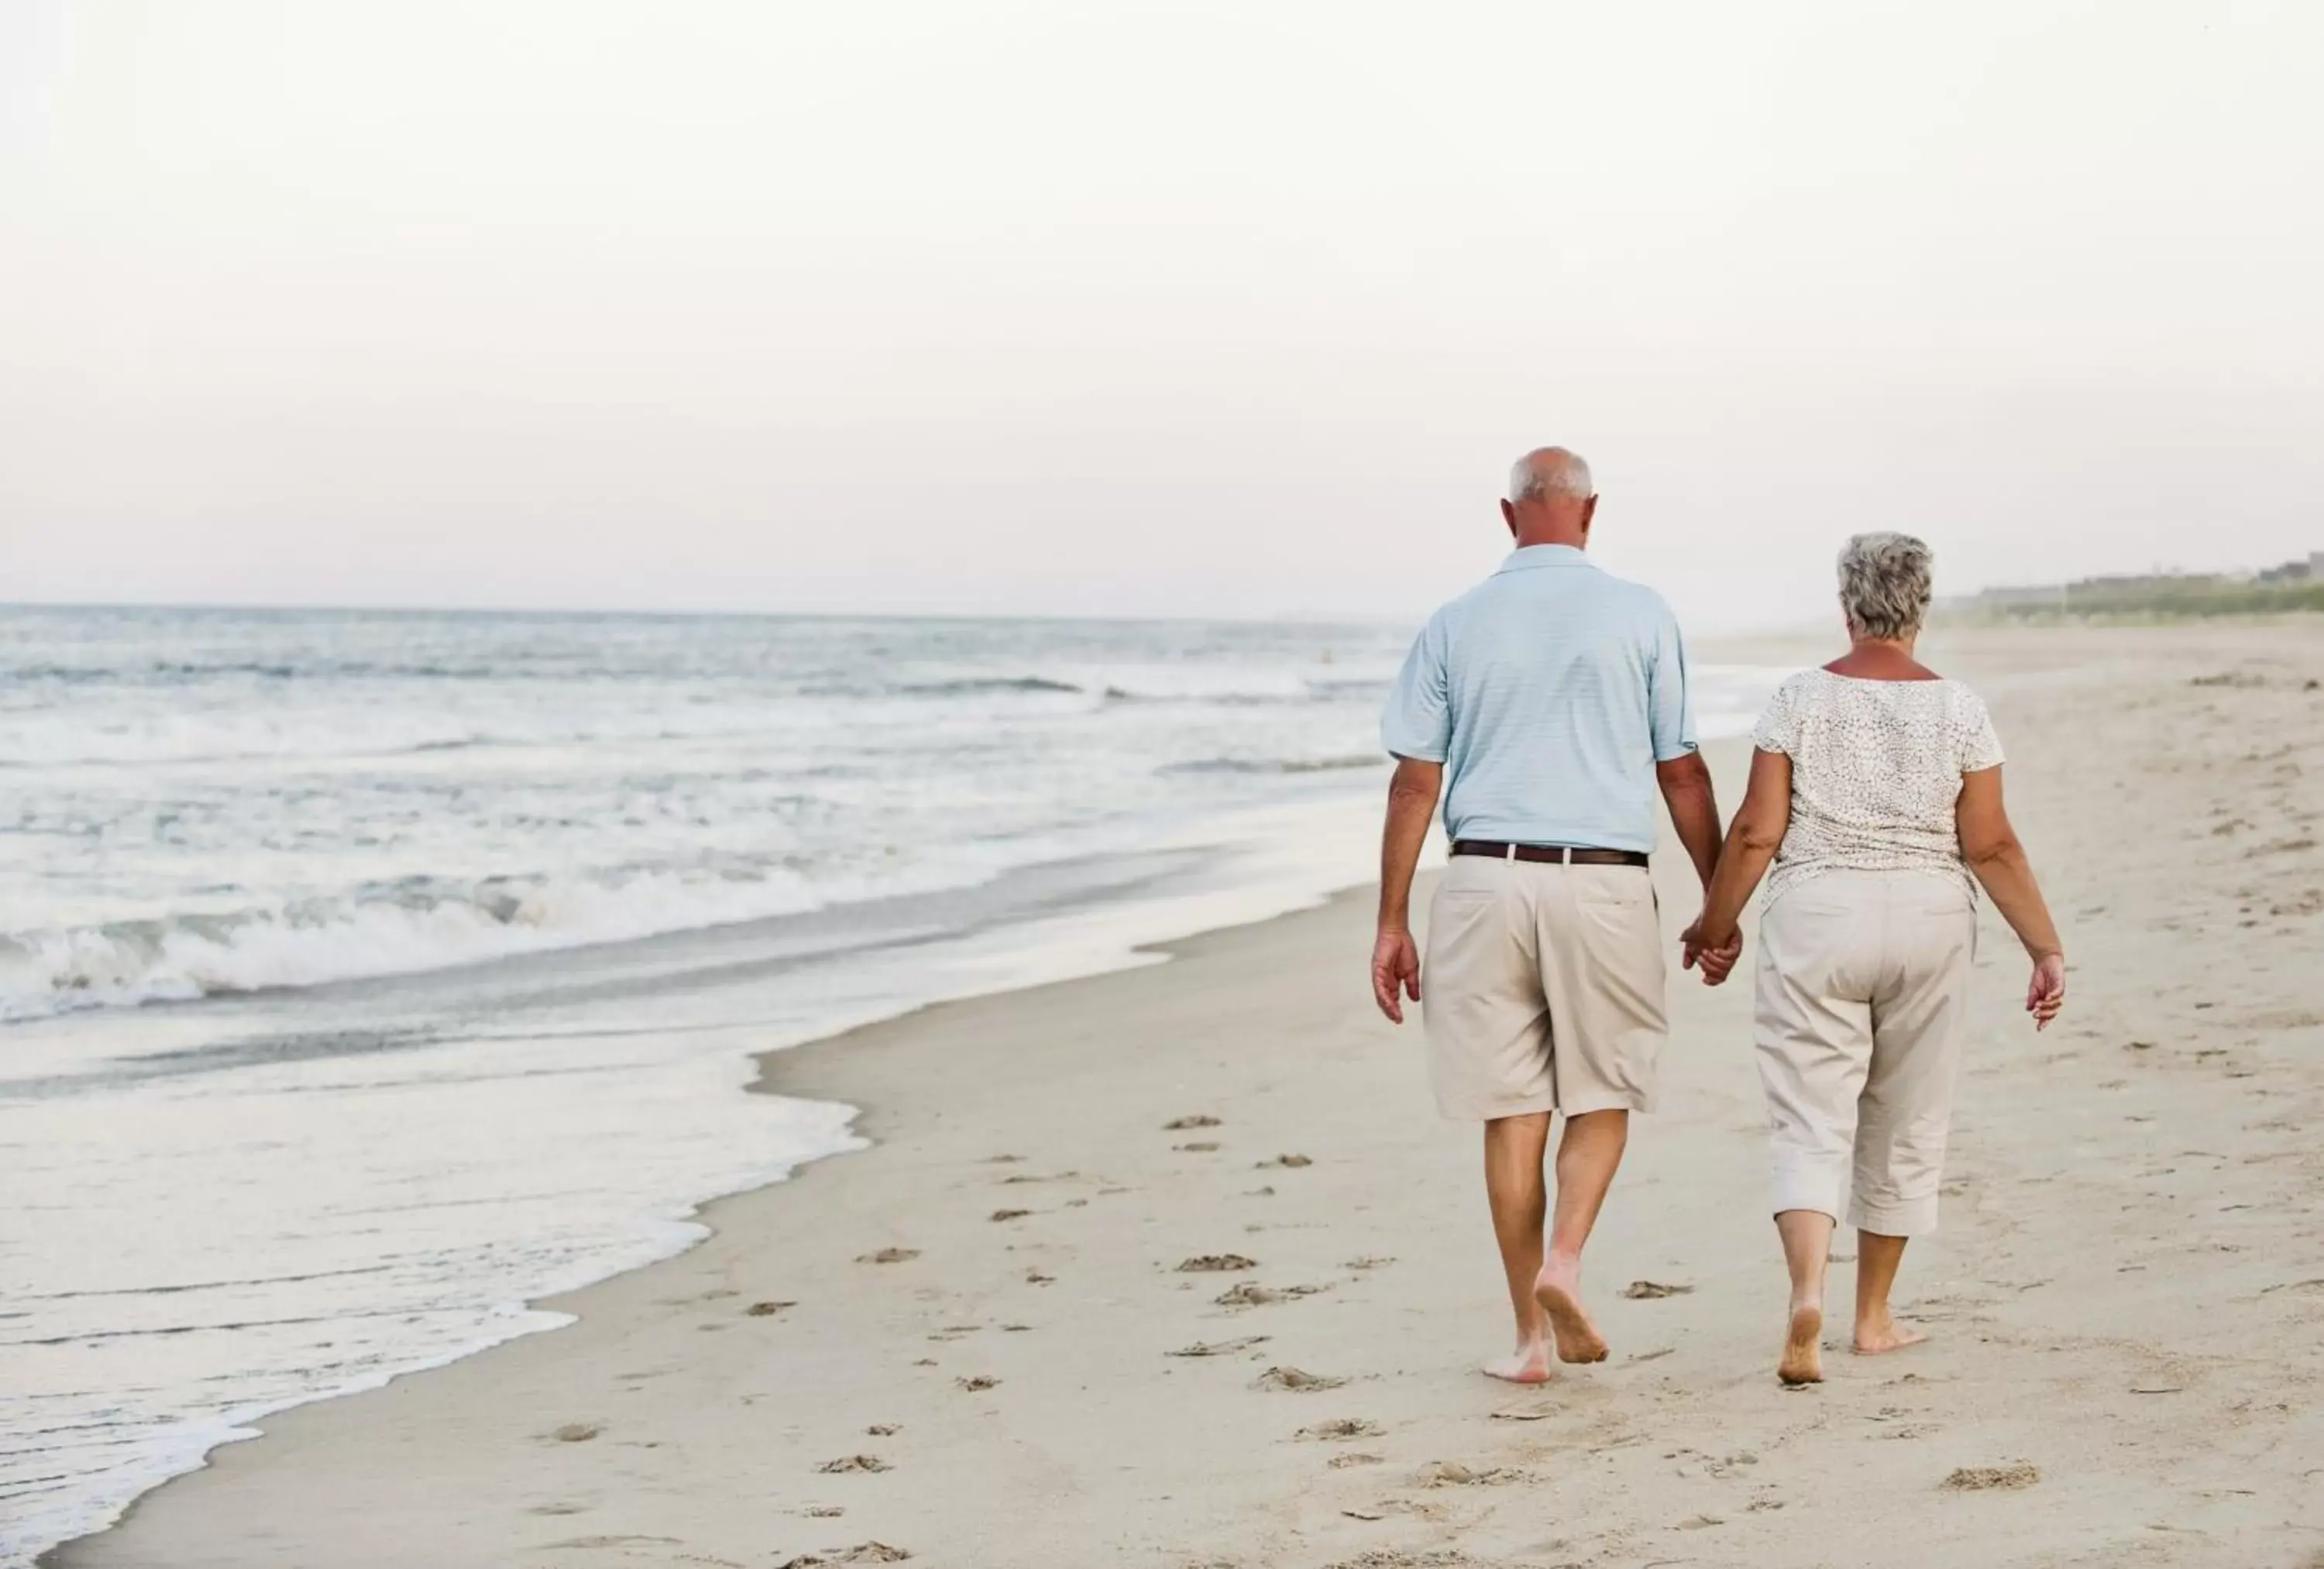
(1010, 1213)
(1199, 1147)
(1295, 1381)
(890, 1256)
(1452, 1473)
(1251, 1294)
(1988, 1478)
(884, 1430)
(1357, 1457)
(1653, 1290)
(979, 1384)
(1219, 1347)
(862, 1553)
(574, 1432)
(765, 1309)
(1367, 1263)
(847, 1463)
(1180, 1125)
(1288, 1163)
(1340, 1431)
(1215, 1264)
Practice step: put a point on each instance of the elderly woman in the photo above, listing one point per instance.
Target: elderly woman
(1876, 789)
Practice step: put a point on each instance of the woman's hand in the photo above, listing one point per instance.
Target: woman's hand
(2046, 993)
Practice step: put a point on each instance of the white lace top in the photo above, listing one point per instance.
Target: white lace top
(1876, 769)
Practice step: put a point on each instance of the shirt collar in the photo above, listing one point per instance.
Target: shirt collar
(1533, 555)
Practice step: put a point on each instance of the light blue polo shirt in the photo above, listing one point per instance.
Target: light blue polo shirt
(1549, 691)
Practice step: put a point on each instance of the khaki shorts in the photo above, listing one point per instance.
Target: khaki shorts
(1543, 988)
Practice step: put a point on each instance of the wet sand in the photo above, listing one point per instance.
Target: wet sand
(1177, 1266)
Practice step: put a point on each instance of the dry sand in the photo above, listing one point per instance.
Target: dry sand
(2127, 1298)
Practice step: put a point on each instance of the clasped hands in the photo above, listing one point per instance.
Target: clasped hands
(1716, 960)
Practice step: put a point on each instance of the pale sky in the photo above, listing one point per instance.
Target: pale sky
(1094, 306)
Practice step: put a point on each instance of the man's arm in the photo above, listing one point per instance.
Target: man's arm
(1715, 939)
(1685, 782)
(1411, 807)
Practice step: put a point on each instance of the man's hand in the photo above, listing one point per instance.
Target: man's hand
(1396, 970)
(1411, 806)
(1715, 962)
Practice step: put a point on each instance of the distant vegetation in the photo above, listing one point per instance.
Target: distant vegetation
(2295, 586)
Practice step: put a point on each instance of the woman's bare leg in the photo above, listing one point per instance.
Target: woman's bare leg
(1877, 1259)
(1807, 1252)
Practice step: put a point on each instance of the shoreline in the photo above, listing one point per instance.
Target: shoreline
(1421, 1322)
(770, 1065)
(1134, 923)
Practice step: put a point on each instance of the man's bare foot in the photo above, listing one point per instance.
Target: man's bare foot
(1802, 1361)
(1878, 1337)
(1528, 1364)
(1559, 1291)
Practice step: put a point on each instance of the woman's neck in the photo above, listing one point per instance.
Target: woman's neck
(1881, 659)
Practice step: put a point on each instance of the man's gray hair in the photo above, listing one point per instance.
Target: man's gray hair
(1884, 583)
(1550, 470)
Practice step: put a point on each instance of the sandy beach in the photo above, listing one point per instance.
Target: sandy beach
(1177, 1266)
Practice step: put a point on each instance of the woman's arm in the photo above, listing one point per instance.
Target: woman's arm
(1991, 847)
(1752, 840)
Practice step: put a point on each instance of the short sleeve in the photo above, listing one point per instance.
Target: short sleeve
(1418, 721)
(1778, 729)
(1978, 743)
(1670, 698)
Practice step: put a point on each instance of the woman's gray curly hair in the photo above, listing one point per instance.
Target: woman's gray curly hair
(1884, 583)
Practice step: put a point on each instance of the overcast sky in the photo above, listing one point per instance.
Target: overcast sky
(1094, 306)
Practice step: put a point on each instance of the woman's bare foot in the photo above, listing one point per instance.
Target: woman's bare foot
(1527, 1364)
(1802, 1361)
(1558, 1290)
(1879, 1336)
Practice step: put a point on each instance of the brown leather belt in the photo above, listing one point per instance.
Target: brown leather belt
(1556, 854)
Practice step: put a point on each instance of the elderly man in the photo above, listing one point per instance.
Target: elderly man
(1550, 703)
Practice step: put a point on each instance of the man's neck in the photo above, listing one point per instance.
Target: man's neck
(1571, 538)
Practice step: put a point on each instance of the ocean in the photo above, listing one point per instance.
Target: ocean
(367, 976)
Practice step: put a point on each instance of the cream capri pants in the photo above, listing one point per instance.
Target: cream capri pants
(1862, 999)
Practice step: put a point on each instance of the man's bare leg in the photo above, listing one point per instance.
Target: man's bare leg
(1513, 1187)
(1807, 1250)
(1877, 1259)
(1587, 1157)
